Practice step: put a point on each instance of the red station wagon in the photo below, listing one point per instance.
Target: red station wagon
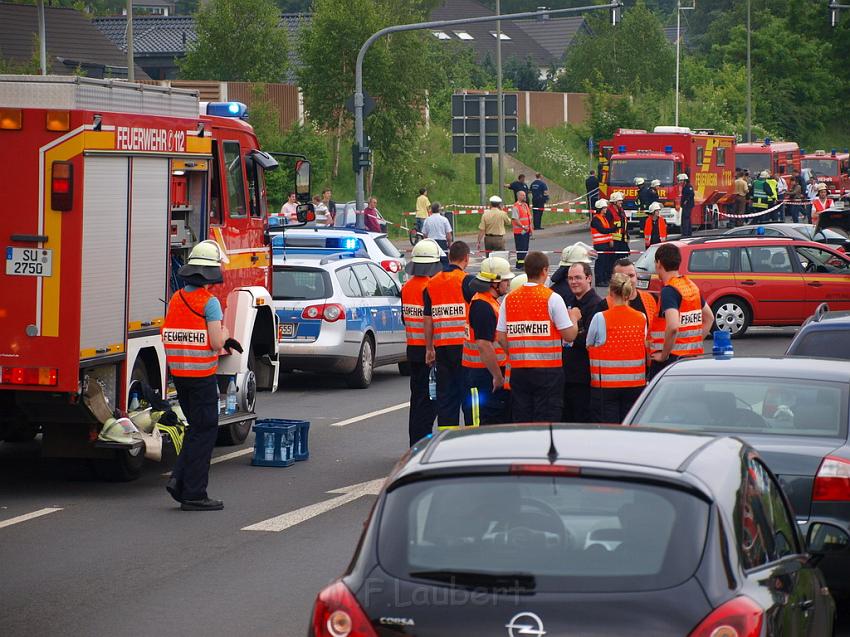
(759, 280)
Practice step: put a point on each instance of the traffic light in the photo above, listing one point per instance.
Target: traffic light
(361, 157)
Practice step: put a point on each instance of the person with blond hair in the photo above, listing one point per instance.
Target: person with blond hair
(616, 346)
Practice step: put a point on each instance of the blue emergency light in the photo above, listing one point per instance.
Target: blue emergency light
(228, 109)
(767, 141)
(621, 149)
(832, 152)
(802, 151)
(668, 150)
(760, 231)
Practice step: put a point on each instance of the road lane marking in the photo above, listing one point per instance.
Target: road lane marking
(29, 516)
(371, 414)
(348, 494)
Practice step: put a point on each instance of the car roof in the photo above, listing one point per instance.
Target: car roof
(335, 232)
(829, 320)
(610, 445)
(737, 240)
(770, 367)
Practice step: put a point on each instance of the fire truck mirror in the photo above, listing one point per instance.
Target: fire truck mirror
(302, 180)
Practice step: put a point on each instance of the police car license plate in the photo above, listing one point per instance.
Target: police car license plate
(29, 261)
(643, 284)
(286, 330)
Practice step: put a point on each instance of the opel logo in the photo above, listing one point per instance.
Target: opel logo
(525, 625)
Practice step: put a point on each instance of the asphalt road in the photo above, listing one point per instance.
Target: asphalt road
(123, 559)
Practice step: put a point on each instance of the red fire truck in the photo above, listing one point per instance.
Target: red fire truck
(831, 168)
(107, 187)
(778, 158)
(708, 159)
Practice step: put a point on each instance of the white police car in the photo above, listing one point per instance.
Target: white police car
(337, 313)
(319, 242)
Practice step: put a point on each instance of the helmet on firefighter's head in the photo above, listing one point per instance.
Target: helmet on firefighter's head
(204, 264)
(601, 204)
(425, 259)
(655, 206)
(616, 196)
(639, 181)
(682, 177)
(575, 253)
(495, 200)
(764, 175)
(655, 183)
(494, 270)
(518, 281)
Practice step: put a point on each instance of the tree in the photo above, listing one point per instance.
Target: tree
(238, 40)
(523, 74)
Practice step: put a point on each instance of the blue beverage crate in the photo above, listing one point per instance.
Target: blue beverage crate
(281, 435)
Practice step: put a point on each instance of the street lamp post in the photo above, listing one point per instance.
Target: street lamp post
(749, 81)
(833, 11)
(499, 97)
(679, 9)
(615, 6)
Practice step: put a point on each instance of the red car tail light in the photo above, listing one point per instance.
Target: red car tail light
(62, 186)
(832, 482)
(336, 613)
(391, 265)
(739, 617)
(329, 312)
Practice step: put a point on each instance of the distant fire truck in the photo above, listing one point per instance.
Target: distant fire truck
(831, 168)
(708, 159)
(107, 186)
(778, 158)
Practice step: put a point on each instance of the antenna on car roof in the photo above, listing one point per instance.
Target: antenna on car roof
(552, 454)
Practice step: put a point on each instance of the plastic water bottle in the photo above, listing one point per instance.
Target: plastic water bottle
(722, 345)
(269, 446)
(231, 396)
(432, 384)
(284, 447)
(134, 402)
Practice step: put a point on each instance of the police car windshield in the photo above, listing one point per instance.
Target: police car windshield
(624, 171)
(754, 162)
(549, 534)
(300, 284)
(821, 167)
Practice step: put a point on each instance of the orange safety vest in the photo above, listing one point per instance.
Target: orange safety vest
(185, 335)
(657, 324)
(449, 309)
(689, 338)
(601, 238)
(618, 222)
(818, 207)
(533, 339)
(413, 309)
(647, 230)
(523, 222)
(471, 354)
(621, 361)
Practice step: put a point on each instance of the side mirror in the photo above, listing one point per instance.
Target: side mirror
(305, 213)
(824, 538)
(302, 180)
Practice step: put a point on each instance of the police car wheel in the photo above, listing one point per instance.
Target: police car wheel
(733, 315)
(361, 377)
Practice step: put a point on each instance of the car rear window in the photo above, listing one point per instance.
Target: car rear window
(300, 284)
(388, 248)
(822, 344)
(788, 407)
(560, 534)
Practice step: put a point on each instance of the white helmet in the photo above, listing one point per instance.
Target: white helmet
(639, 181)
(426, 251)
(655, 183)
(207, 253)
(601, 203)
(616, 196)
(821, 186)
(682, 177)
(764, 175)
(494, 270)
(576, 253)
(655, 206)
(518, 281)
(496, 200)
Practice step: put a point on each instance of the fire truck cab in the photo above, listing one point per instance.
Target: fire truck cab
(108, 185)
(708, 159)
(778, 158)
(831, 168)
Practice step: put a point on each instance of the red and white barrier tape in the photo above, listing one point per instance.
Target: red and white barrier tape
(479, 210)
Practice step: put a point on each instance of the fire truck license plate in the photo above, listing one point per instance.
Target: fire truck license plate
(29, 261)
(286, 330)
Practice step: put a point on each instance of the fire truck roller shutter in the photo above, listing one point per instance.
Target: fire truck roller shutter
(149, 237)
(103, 320)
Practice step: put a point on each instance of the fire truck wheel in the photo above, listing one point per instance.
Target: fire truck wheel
(234, 433)
(404, 368)
(733, 315)
(124, 466)
(361, 377)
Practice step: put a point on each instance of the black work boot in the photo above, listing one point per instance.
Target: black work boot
(207, 504)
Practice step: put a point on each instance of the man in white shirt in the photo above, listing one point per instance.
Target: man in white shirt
(289, 209)
(437, 227)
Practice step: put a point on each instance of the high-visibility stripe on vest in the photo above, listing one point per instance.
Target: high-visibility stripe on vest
(601, 238)
(523, 221)
(413, 309)
(689, 338)
(471, 354)
(185, 335)
(449, 309)
(621, 361)
(617, 223)
(533, 339)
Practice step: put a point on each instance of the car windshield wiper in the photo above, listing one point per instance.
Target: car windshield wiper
(476, 579)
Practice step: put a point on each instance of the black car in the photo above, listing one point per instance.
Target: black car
(793, 411)
(532, 530)
(825, 334)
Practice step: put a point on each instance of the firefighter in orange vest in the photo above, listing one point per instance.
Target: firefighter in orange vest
(523, 229)
(616, 346)
(820, 203)
(484, 360)
(687, 317)
(655, 228)
(192, 335)
(533, 324)
(446, 310)
(601, 234)
(424, 264)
